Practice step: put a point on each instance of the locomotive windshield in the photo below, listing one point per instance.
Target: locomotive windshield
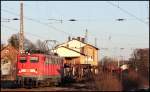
(34, 59)
(23, 59)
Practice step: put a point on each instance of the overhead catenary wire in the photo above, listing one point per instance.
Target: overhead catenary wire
(127, 12)
(38, 21)
(116, 5)
(17, 30)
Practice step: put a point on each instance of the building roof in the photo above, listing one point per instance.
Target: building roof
(79, 41)
(73, 50)
(7, 47)
(9, 51)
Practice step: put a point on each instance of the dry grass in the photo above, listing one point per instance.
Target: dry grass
(105, 81)
(134, 81)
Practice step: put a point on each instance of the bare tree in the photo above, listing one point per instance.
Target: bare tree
(140, 61)
(109, 63)
(41, 46)
(28, 45)
(14, 41)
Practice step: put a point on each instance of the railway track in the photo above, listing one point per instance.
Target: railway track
(66, 87)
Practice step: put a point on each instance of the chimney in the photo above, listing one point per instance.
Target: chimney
(73, 38)
(69, 38)
(82, 39)
(78, 38)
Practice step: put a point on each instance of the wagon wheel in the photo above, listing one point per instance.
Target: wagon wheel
(42, 84)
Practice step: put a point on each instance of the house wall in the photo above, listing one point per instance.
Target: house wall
(90, 52)
(82, 59)
(75, 60)
(92, 55)
(74, 44)
(63, 52)
(9, 54)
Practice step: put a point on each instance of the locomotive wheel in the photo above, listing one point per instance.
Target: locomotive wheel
(42, 84)
(19, 83)
(28, 83)
(47, 83)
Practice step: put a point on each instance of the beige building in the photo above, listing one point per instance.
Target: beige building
(76, 51)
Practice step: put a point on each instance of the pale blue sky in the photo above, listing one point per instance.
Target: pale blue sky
(99, 17)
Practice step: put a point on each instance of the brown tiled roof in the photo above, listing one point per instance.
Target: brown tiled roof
(12, 52)
(7, 47)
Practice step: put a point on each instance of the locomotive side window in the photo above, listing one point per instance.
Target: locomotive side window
(52, 60)
(48, 60)
(34, 59)
(23, 59)
(55, 60)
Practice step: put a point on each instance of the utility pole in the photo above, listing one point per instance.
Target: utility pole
(118, 63)
(21, 34)
(86, 36)
(95, 42)
(86, 40)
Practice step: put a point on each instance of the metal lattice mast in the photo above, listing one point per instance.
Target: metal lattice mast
(21, 34)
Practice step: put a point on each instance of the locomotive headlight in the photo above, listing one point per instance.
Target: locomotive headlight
(23, 70)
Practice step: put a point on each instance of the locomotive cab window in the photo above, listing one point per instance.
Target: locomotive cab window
(34, 59)
(23, 59)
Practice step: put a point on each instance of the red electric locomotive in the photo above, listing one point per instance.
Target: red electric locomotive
(39, 70)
